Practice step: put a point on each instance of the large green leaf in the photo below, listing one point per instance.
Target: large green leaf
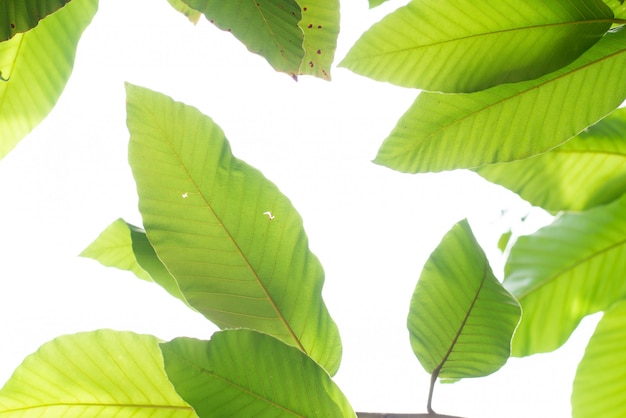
(17, 16)
(587, 171)
(267, 27)
(103, 373)
(243, 373)
(461, 318)
(320, 24)
(126, 247)
(600, 380)
(191, 14)
(37, 65)
(234, 243)
(511, 121)
(470, 45)
(565, 271)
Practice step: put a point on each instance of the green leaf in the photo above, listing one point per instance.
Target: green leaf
(565, 271)
(471, 45)
(461, 318)
(587, 171)
(504, 240)
(191, 14)
(267, 27)
(126, 247)
(21, 16)
(376, 3)
(618, 7)
(600, 380)
(38, 64)
(102, 373)
(320, 24)
(248, 374)
(234, 243)
(113, 248)
(511, 121)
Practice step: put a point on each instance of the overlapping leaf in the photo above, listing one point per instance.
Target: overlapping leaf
(565, 271)
(267, 27)
(600, 380)
(587, 171)
(320, 24)
(618, 7)
(233, 242)
(191, 14)
(101, 373)
(461, 318)
(37, 65)
(126, 247)
(470, 45)
(17, 16)
(246, 373)
(511, 121)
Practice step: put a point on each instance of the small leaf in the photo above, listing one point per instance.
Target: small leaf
(266, 27)
(320, 25)
(469, 45)
(600, 380)
(102, 373)
(504, 240)
(511, 121)
(37, 65)
(565, 271)
(191, 14)
(587, 171)
(248, 374)
(234, 243)
(17, 16)
(461, 318)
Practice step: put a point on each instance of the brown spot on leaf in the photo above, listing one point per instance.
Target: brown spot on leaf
(310, 25)
(12, 25)
(319, 26)
(304, 9)
(319, 51)
(311, 64)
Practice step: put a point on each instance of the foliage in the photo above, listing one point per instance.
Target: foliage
(523, 93)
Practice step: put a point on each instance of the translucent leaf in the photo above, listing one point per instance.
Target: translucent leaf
(191, 14)
(103, 373)
(587, 171)
(618, 7)
(37, 65)
(565, 271)
(511, 121)
(461, 318)
(320, 24)
(17, 16)
(267, 27)
(248, 374)
(234, 243)
(471, 45)
(601, 375)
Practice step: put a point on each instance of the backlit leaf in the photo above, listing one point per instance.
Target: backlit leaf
(511, 121)
(461, 318)
(471, 45)
(565, 271)
(17, 16)
(248, 374)
(191, 14)
(37, 65)
(600, 380)
(94, 374)
(320, 24)
(587, 171)
(233, 242)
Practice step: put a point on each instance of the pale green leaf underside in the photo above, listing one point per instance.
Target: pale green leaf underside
(234, 243)
(511, 121)
(114, 248)
(461, 318)
(17, 16)
(38, 64)
(242, 373)
(266, 27)
(320, 24)
(587, 171)
(471, 45)
(188, 12)
(565, 271)
(102, 373)
(600, 380)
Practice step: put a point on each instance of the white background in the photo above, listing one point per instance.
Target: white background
(371, 227)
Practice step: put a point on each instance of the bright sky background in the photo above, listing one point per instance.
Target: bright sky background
(372, 228)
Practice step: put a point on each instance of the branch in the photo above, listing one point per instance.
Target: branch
(386, 415)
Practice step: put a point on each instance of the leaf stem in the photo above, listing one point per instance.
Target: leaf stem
(433, 380)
